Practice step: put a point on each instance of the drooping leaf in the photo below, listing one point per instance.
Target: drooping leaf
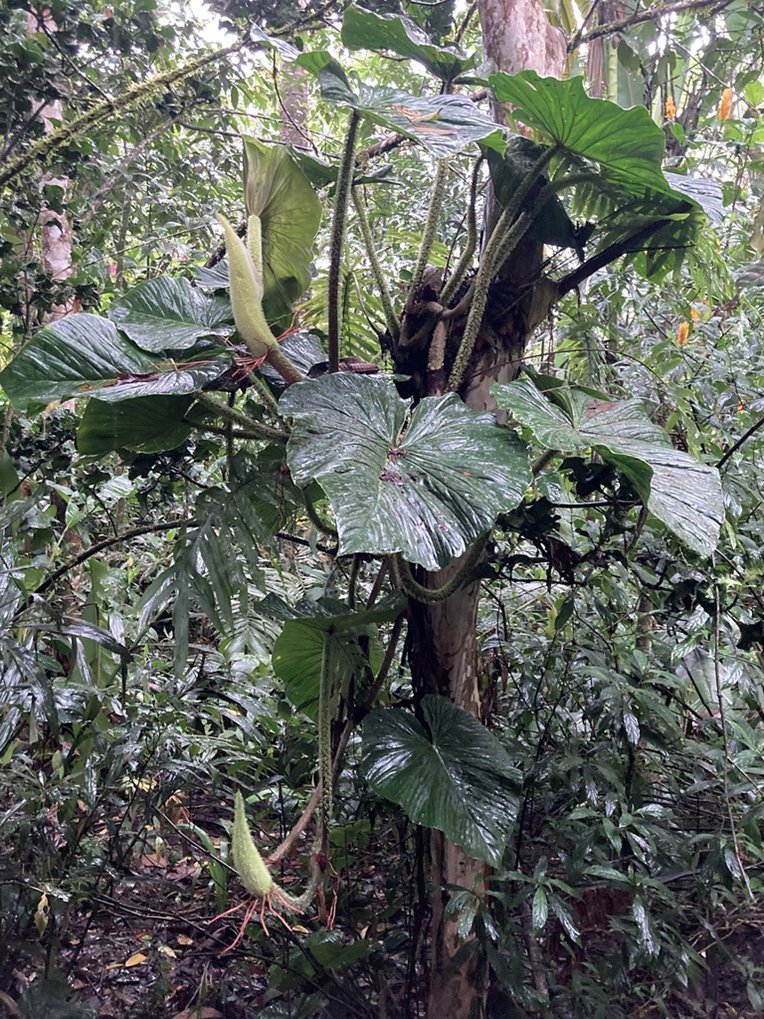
(298, 651)
(362, 29)
(683, 493)
(426, 490)
(167, 380)
(451, 774)
(444, 124)
(71, 357)
(276, 190)
(169, 314)
(146, 424)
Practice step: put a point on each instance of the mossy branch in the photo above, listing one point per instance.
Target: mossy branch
(342, 197)
(41, 151)
(430, 226)
(501, 243)
(326, 690)
(460, 270)
(505, 237)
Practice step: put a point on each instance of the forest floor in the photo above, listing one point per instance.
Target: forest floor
(149, 947)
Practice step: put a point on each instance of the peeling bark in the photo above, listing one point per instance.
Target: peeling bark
(56, 230)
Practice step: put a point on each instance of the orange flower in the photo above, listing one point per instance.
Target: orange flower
(682, 333)
(725, 106)
(670, 111)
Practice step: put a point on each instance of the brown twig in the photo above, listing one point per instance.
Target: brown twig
(653, 14)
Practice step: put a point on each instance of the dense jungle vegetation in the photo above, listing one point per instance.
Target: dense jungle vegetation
(382, 509)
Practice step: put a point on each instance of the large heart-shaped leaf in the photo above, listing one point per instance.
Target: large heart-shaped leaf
(167, 380)
(684, 494)
(146, 424)
(444, 124)
(451, 774)
(71, 357)
(427, 491)
(170, 314)
(627, 144)
(276, 190)
(362, 29)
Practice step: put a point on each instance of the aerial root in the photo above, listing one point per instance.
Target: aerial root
(253, 904)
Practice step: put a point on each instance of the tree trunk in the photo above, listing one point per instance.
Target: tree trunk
(56, 231)
(443, 639)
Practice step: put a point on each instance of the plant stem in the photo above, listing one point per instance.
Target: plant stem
(430, 226)
(344, 181)
(456, 277)
(504, 239)
(245, 422)
(284, 365)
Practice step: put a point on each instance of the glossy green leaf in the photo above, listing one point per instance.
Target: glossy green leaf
(71, 357)
(444, 124)
(362, 29)
(276, 190)
(450, 773)
(426, 485)
(167, 380)
(684, 494)
(539, 909)
(627, 144)
(169, 314)
(146, 424)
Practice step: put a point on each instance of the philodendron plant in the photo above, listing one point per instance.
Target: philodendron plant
(414, 483)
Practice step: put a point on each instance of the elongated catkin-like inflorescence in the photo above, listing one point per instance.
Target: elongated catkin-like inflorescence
(255, 248)
(249, 864)
(245, 282)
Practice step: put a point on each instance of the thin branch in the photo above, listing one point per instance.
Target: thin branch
(743, 438)
(610, 254)
(136, 532)
(344, 187)
(653, 14)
